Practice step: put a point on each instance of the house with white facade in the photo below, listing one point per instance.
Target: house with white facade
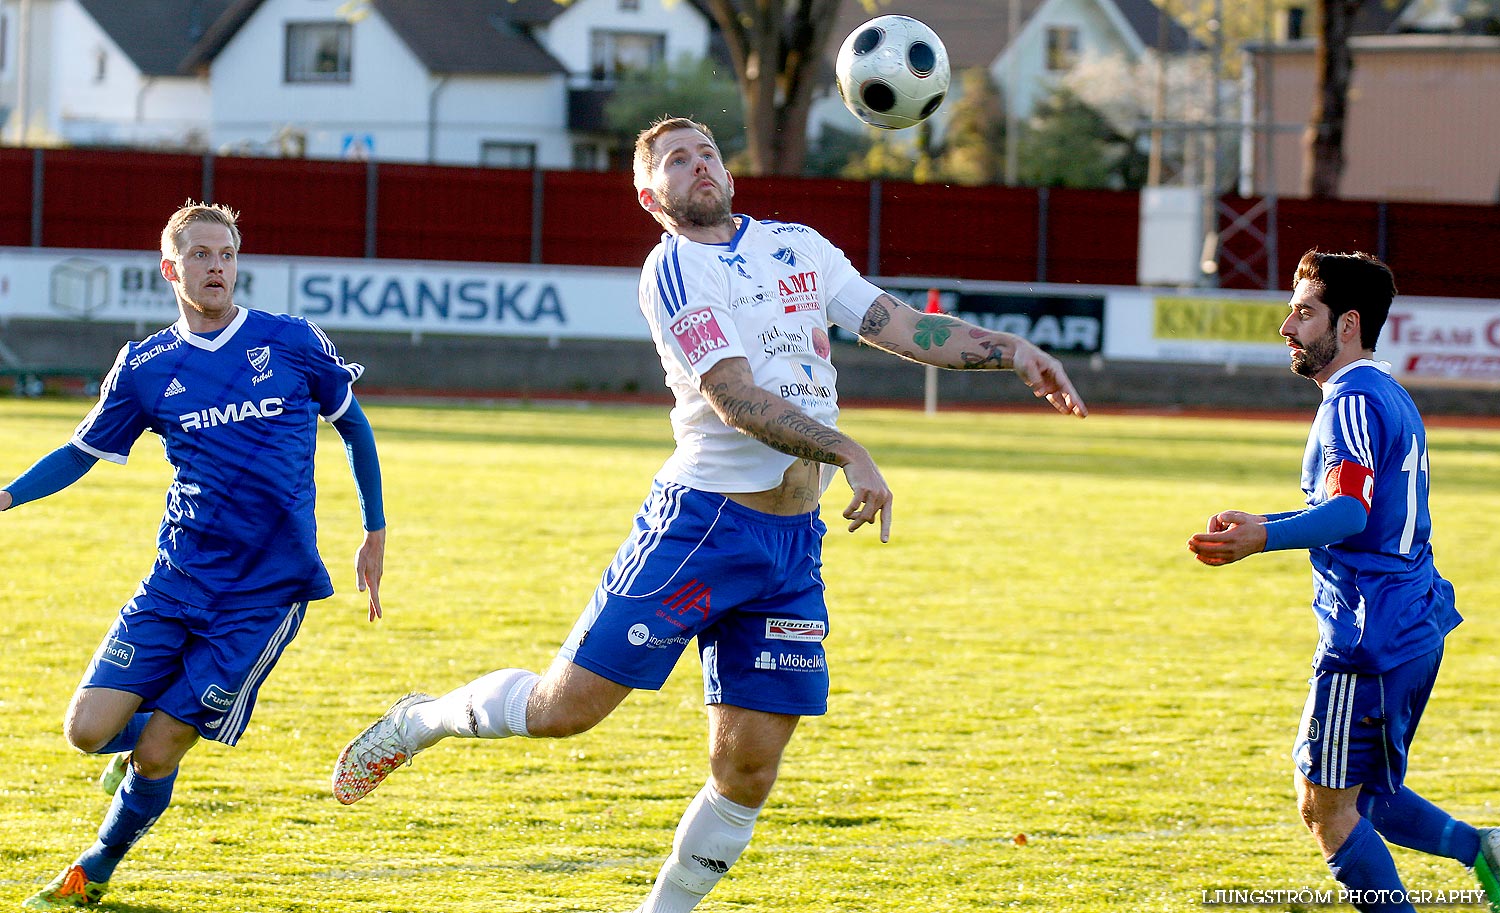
(87, 72)
(465, 82)
(487, 82)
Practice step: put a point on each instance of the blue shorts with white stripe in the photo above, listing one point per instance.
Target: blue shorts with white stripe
(201, 666)
(1357, 727)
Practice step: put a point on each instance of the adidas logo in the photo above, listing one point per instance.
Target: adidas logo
(174, 388)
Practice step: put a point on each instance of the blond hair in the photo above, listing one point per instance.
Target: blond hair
(646, 158)
(193, 212)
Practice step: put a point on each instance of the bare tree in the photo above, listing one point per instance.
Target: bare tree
(777, 48)
(1323, 143)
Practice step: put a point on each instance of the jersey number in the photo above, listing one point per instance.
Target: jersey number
(1415, 463)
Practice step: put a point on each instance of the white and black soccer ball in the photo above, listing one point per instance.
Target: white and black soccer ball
(892, 72)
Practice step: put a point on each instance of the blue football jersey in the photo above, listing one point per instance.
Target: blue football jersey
(1378, 596)
(237, 415)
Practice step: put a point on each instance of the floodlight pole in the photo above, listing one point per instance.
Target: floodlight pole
(1012, 94)
(23, 71)
(1209, 260)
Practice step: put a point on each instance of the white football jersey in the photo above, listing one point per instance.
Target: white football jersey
(767, 296)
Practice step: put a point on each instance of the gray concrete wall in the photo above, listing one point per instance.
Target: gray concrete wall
(475, 365)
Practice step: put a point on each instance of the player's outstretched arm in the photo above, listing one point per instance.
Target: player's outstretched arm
(1231, 535)
(731, 390)
(49, 475)
(945, 341)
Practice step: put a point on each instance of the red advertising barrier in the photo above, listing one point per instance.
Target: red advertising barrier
(119, 200)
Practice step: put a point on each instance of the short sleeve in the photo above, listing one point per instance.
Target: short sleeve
(115, 423)
(688, 308)
(330, 379)
(849, 294)
(1351, 426)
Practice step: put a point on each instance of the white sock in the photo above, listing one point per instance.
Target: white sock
(711, 836)
(490, 707)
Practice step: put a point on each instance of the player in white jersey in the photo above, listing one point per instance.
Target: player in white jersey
(726, 549)
(235, 396)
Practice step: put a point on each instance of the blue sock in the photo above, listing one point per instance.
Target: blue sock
(1364, 864)
(1406, 819)
(125, 739)
(135, 808)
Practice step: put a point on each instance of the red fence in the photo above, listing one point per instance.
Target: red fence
(119, 200)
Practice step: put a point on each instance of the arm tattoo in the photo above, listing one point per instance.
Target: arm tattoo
(805, 437)
(734, 409)
(793, 432)
(992, 356)
(878, 316)
(932, 330)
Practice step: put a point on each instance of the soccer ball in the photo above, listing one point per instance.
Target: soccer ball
(892, 72)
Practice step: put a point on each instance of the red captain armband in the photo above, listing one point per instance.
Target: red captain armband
(1350, 478)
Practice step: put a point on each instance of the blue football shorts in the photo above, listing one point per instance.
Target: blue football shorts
(747, 585)
(1357, 727)
(201, 666)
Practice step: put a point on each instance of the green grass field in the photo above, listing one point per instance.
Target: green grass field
(1034, 652)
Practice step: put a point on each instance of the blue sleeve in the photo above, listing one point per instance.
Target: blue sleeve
(329, 378)
(1334, 519)
(359, 444)
(51, 474)
(117, 420)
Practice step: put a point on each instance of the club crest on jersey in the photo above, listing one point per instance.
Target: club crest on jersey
(231, 413)
(786, 255)
(259, 358)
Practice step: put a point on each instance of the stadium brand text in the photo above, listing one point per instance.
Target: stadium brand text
(137, 360)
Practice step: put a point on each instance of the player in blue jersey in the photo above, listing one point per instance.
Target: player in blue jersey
(235, 395)
(726, 550)
(1383, 610)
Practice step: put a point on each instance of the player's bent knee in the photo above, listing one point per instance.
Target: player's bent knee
(84, 737)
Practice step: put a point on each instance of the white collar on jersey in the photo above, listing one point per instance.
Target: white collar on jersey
(1362, 363)
(219, 341)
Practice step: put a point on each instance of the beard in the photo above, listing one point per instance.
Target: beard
(1316, 355)
(701, 212)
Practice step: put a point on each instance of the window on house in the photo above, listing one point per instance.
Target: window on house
(630, 6)
(1062, 48)
(101, 64)
(612, 54)
(318, 51)
(497, 154)
(4, 40)
(587, 157)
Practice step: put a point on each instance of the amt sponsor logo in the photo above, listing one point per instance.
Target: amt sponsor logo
(406, 298)
(231, 413)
